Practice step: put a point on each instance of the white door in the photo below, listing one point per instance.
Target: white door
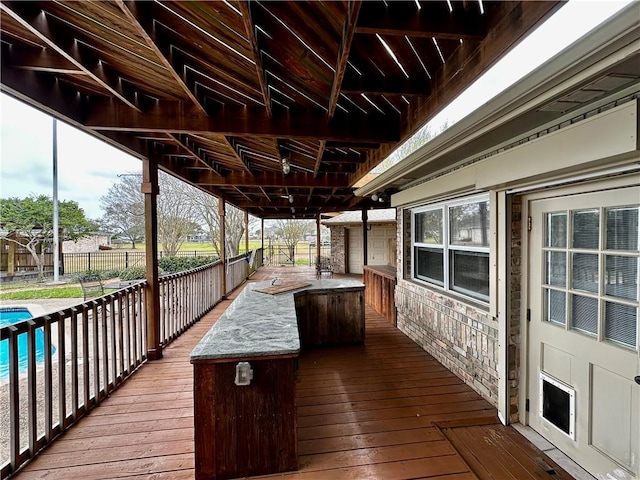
(583, 296)
(377, 246)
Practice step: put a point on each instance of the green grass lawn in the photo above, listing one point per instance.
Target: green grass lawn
(69, 291)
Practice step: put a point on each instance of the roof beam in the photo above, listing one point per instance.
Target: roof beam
(251, 36)
(272, 179)
(319, 156)
(433, 20)
(39, 60)
(185, 145)
(177, 117)
(58, 39)
(144, 25)
(348, 31)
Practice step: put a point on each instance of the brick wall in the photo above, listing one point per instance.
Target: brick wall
(338, 248)
(463, 338)
(514, 308)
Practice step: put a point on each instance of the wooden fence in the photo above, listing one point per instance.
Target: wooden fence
(88, 351)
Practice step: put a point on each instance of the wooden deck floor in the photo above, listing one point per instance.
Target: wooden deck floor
(386, 410)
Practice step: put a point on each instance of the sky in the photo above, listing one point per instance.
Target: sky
(87, 167)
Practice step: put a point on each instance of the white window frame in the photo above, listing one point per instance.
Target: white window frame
(447, 248)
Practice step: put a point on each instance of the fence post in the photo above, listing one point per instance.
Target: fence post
(126, 259)
(89, 261)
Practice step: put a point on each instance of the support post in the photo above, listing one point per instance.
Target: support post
(150, 190)
(318, 240)
(365, 227)
(246, 242)
(223, 253)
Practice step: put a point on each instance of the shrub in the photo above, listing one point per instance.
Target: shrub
(180, 264)
(134, 273)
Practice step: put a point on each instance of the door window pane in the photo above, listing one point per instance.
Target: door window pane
(556, 235)
(428, 227)
(470, 273)
(430, 264)
(584, 314)
(622, 229)
(586, 231)
(585, 272)
(555, 306)
(621, 277)
(470, 224)
(621, 323)
(556, 268)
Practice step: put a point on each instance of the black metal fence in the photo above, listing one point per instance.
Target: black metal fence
(107, 260)
(279, 254)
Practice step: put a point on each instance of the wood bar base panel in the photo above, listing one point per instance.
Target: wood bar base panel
(245, 430)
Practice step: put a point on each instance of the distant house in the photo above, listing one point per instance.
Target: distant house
(347, 239)
(88, 244)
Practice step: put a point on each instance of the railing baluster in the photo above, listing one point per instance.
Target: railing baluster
(105, 347)
(14, 395)
(31, 387)
(48, 381)
(96, 353)
(85, 357)
(62, 371)
(113, 349)
(74, 363)
(134, 326)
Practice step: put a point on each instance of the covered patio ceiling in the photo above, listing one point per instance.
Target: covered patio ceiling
(218, 93)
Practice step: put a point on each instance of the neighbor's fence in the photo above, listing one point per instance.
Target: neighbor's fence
(108, 260)
(89, 350)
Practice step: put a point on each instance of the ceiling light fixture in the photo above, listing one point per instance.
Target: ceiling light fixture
(374, 197)
(290, 198)
(286, 166)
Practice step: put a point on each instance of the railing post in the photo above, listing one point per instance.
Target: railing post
(150, 189)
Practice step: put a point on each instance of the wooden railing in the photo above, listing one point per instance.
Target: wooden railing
(89, 350)
(85, 352)
(186, 296)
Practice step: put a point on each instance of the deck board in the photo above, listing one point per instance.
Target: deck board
(373, 411)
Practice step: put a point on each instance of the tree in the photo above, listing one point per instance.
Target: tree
(291, 231)
(123, 207)
(31, 220)
(176, 218)
(206, 206)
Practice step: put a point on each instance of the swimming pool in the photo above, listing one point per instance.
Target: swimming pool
(9, 316)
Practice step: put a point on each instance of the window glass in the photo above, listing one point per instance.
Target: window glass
(621, 323)
(556, 235)
(470, 224)
(428, 227)
(430, 264)
(586, 228)
(555, 306)
(584, 314)
(622, 229)
(556, 268)
(470, 273)
(621, 277)
(585, 272)
(451, 246)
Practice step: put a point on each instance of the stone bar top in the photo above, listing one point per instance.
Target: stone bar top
(259, 324)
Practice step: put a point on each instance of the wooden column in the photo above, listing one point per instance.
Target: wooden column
(150, 189)
(246, 242)
(365, 252)
(223, 254)
(318, 237)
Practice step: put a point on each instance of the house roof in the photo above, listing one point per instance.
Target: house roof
(218, 93)
(600, 69)
(385, 215)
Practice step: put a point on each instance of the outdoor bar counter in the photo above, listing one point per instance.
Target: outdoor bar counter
(245, 372)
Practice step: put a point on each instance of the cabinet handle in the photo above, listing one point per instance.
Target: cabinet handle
(637, 379)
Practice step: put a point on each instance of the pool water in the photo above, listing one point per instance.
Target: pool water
(9, 316)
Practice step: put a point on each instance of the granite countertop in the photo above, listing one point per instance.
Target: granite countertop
(259, 324)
